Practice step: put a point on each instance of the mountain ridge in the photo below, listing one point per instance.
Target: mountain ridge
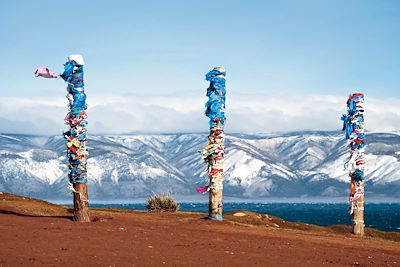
(293, 164)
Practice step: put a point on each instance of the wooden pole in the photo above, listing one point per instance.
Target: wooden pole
(81, 203)
(213, 153)
(76, 137)
(354, 129)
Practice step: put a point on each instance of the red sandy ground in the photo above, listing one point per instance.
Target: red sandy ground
(35, 233)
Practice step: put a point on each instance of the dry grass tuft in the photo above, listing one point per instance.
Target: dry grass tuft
(162, 203)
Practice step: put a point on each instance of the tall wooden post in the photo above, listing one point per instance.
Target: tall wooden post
(76, 136)
(353, 125)
(213, 153)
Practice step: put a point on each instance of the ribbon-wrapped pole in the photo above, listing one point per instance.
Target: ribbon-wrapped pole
(213, 153)
(76, 136)
(353, 125)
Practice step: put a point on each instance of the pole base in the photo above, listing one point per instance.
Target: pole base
(81, 203)
(215, 217)
(81, 216)
(358, 228)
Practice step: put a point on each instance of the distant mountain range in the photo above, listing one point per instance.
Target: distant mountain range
(296, 164)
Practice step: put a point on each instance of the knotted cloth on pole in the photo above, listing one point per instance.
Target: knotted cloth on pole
(353, 126)
(213, 152)
(76, 134)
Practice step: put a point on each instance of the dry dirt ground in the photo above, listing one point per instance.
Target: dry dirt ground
(37, 233)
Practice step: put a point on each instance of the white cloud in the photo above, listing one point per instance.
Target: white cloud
(185, 113)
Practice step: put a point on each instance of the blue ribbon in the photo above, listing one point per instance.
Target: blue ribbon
(215, 106)
(73, 75)
(352, 127)
(358, 175)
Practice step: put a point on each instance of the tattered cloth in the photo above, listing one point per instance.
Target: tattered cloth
(353, 126)
(45, 72)
(76, 117)
(76, 120)
(215, 106)
(213, 152)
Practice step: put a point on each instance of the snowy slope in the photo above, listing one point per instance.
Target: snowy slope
(297, 164)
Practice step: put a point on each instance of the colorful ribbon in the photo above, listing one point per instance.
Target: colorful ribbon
(353, 126)
(76, 120)
(213, 152)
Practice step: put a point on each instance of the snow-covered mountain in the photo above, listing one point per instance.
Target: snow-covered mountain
(297, 164)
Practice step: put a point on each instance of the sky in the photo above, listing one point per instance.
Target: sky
(290, 64)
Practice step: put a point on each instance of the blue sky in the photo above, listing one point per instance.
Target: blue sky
(150, 57)
(165, 47)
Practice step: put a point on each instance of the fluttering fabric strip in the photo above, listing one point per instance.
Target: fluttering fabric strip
(45, 73)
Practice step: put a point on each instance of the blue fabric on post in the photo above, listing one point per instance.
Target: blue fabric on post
(79, 100)
(73, 74)
(347, 126)
(76, 120)
(358, 175)
(68, 69)
(215, 106)
(353, 126)
(216, 217)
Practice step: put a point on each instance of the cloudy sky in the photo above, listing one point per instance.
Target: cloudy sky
(290, 64)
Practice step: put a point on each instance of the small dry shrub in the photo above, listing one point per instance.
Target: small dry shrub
(162, 203)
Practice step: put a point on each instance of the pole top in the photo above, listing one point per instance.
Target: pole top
(77, 58)
(220, 69)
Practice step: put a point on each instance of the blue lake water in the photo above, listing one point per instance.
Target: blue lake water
(385, 216)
